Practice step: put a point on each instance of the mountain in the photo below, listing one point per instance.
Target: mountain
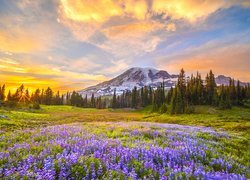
(221, 79)
(129, 79)
(140, 77)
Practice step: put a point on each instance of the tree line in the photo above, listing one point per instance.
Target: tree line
(22, 95)
(187, 93)
(182, 98)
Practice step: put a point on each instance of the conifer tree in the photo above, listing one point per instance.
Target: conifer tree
(173, 102)
(36, 96)
(210, 87)
(92, 100)
(114, 100)
(48, 96)
(9, 97)
(169, 95)
(85, 102)
(2, 93)
(134, 97)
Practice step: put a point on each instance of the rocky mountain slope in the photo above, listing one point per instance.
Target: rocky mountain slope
(139, 77)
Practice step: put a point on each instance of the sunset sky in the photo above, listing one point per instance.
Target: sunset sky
(71, 44)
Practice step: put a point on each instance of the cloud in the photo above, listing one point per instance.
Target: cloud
(90, 11)
(192, 10)
(17, 41)
(126, 28)
(13, 74)
(171, 27)
(227, 59)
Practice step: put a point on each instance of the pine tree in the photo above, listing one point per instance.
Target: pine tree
(145, 96)
(142, 100)
(150, 95)
(239, 93)
(134, 98)
(2, 93)
(173, 102)
(210, 87)
(92, 100)
(27, 95)
(180, 103)
(42, 97)
(114, 101)
(169, 95)
(85, 102)
(36, 97)
(224, 99)
(9, 97)
(48, 96)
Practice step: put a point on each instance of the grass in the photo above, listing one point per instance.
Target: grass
(56, 115)
(236, 122)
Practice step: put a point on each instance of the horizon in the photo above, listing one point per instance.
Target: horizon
(32, 90)
(73, 45)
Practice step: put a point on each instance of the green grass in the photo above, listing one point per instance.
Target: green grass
(235, 121)
(54, 115)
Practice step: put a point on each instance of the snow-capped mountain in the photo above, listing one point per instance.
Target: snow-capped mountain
(141, 77)
(129, 79)
(221, 79)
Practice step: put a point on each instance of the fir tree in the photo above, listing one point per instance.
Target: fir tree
(48, 96)
(134, 98)
(114, 101)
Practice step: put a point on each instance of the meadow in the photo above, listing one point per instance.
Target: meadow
(64, 142)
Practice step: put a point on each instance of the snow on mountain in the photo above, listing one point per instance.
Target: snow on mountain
(221, 79)
(140, 77)
(129, 79)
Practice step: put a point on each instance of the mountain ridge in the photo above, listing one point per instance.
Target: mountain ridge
(140, 77)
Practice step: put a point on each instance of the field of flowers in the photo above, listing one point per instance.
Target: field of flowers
(119, 150)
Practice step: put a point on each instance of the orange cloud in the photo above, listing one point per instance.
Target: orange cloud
(171, 27)
(45, 75)
(90, 11)
(18, 41)
(192, 9)
(137, 9)
(133, 28)
(229, 60)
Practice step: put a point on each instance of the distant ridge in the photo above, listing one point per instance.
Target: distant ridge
(140, 77)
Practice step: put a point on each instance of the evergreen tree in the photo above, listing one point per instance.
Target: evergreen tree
(146, 100)
(224, 102)
(134, 98)
(85, 102)
(9, 97)
(92, 100)
(57, 99)
(36, 96)
(114, 101)
(2, 93)
(76, 99)
(169, 95)
(210, 87)
(239, 93)
(180, 102)
(48, 96)
(173, 102)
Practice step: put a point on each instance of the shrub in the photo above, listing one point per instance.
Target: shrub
(225, 104)
(11, 104)
(163, 108)
(190, 110)
(36, 106)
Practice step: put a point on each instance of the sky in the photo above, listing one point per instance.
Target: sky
(70, 45)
